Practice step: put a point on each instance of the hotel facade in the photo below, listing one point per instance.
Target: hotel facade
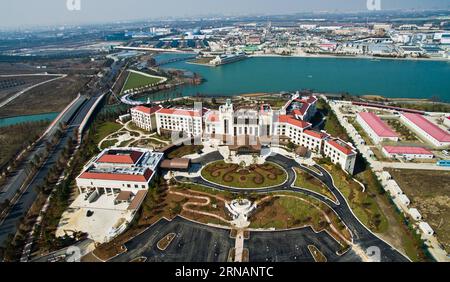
(264, 125)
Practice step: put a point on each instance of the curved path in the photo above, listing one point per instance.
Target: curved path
(362, 236)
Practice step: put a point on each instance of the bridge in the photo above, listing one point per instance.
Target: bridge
(173, 60)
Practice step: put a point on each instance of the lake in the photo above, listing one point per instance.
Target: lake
(390, 78)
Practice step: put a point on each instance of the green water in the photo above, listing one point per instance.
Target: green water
(390, 78)
(27, 118)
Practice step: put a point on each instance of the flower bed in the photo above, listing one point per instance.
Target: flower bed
(253, 176)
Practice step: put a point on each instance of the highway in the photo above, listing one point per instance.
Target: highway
(74, 116)
(20, 208)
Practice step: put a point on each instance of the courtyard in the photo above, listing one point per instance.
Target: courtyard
(241, 176)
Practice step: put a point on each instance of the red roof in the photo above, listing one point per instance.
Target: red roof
(377, 125)
(407, 150)
(435, 131)
(213, 117)
(311, 100)
(315, 134)
(147, 110)
(344, 148)
(118, 176)
(179, 112)
(130, 158)
(293, 121)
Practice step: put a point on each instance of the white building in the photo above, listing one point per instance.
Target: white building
(414, 213)
(385, 175)
(119, 169)
(144, 117)
(404, 199)
(426, 228)
(341, 153)
(264, 124)
(426, 129)
(393, 188)
(447, 121)
(179, 120)
(407, 152)
(375, 128)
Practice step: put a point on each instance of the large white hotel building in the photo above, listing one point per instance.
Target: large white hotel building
(263, 123)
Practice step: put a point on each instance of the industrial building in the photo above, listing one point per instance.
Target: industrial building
(376, 129)
(426, 129)
(407, 152)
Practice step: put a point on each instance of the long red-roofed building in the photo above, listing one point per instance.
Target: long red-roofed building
(375, 128)
(407, 152)
(426, 129)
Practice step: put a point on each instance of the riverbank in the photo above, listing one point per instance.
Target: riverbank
(273, 74)
(373, 58)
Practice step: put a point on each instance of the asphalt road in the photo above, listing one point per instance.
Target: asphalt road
(361, 235)
(9, 224)
(73, 117)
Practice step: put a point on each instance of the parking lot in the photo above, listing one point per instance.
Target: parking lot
(292, 246)
(193, 242)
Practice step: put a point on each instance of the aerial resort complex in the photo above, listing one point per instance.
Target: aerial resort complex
(299, 137)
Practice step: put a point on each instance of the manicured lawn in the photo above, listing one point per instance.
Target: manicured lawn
(108, 143)
(284, 211)
(304, 180)
(136, 80)
(254, 176)
(105, 129)
(362, 203)
(184, 151)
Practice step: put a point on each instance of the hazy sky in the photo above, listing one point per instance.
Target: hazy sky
(14, 13)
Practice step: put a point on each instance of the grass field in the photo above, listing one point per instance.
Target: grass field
(307, 181)
(184, 151)
(105, 129)
(362, 203)
(288, 210)
(136, 80)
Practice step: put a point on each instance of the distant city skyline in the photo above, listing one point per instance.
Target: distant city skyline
(26, 13)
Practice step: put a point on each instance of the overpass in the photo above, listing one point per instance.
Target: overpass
(151, 49)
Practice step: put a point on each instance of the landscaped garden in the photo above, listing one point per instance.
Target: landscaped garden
(240, 176)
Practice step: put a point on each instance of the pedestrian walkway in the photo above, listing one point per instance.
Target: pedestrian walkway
(239, 246)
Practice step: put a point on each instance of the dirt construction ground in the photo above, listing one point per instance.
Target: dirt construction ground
(429, 192)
